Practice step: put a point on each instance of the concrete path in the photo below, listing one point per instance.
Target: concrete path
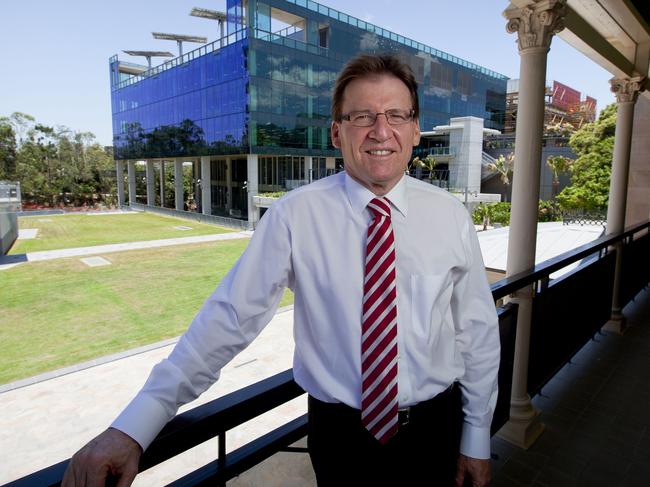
(47, 421)
(8, 261)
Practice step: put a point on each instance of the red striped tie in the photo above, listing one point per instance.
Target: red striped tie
(379, 327)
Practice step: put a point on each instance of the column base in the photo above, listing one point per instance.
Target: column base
(617, 322)
(524, 426)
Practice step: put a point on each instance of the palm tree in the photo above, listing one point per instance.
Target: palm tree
(484, 212)
(429, 163)
(504, 166)
(559, 165)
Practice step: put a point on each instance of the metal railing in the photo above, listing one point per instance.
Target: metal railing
(441, 151)
(559, 328)
(180, 60)
(582, 217)
(361, 24)
(199, 217)
(487, 159)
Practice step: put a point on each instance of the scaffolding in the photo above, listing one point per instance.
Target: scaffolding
(562, 106)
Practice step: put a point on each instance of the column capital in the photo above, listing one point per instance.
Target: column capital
(626, 89)
(536, 23)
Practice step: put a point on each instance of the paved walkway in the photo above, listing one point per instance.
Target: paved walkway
(8, 261)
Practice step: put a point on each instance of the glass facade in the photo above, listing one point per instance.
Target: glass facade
(193, 108)
(291, 76)
(266, 90)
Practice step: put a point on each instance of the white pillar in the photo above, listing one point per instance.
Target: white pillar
(131, 180)
(308, 169)
(206, 186)
(252, 185)
(178, 184)
(162, 184)
(535, 25)
(119, 170)
(229, 163)
(151, 184)
(627, 91)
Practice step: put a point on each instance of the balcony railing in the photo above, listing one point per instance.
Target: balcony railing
(567, 312)
(441, 151)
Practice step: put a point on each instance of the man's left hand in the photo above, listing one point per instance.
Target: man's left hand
(477, 470)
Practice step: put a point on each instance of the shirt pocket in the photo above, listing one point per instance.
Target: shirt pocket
(430, 300)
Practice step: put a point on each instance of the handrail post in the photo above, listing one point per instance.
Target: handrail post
(617, 322)
(523, 427)
(221, 459)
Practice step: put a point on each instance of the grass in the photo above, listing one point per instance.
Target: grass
(83, 230)
(60, 312)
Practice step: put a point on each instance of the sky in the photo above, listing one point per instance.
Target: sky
(54, 63)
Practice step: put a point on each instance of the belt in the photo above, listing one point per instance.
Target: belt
(441, 403)
(404, 415)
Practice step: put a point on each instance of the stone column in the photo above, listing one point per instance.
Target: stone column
(151, 185)
(229, 163)
(131, 179)
(627, 91)
(119, 169)
(206, 186)
(535, 25)
(178, 184)
(162, 184)
(252, 185)
(308, 169)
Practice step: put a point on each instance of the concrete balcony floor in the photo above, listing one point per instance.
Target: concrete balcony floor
(597, 416)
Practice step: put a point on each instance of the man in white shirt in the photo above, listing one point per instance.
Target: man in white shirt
(385, 360)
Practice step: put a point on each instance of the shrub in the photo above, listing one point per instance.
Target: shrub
(549, 211)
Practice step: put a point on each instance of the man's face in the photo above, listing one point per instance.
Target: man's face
(376, 156)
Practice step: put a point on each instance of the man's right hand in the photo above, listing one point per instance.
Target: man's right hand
(111, 454)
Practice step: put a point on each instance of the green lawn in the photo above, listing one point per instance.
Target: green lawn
(61, 312)
(83, 230)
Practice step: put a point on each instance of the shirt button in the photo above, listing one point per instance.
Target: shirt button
(404, 398)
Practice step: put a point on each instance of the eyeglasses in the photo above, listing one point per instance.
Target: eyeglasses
(394, 116)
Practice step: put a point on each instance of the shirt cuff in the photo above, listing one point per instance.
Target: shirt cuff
(475, 442)
(142, 420)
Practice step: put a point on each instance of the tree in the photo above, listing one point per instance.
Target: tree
(56, 165)
(483, 214)
(429, 163)
(591, 171)
(504, 166)
(7, 150)
(22, 124)
(559, 165)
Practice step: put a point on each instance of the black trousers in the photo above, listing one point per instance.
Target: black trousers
(423, 452)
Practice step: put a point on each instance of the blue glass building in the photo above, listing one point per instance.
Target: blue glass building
(251, 111)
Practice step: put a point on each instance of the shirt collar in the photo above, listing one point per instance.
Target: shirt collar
(359, 196)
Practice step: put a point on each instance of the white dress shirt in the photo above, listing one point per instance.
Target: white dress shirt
(313, 240)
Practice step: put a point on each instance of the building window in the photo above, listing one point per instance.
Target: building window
(319, 169)
(280, 173)
(323, 36)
